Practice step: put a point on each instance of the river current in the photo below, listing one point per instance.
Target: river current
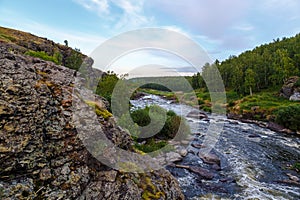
(255, 162)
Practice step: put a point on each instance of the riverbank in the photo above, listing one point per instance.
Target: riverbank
(265, 109)
(248, 161)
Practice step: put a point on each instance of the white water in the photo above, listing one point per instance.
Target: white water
(258, 165)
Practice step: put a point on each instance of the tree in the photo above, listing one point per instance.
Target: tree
(66, 42)
(250, 79)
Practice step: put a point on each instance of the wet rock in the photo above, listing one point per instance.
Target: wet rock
(227, 180)
(293, 178)
(216, 167)
(183, 152)
(253, 136)
(198, 146)
(233, 122)
(275, 127)
(204, 173)
(197, 115)
(295, 97)
(210, 158)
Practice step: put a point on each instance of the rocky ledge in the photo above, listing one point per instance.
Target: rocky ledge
(41, 154)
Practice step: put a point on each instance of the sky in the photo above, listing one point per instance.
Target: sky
(221, 27)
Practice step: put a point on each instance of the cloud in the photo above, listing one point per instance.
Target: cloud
(84, 41)
(101, 7)
(130, 16)
(207, 17)
(187, 69)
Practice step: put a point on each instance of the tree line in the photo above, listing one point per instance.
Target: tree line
(266, 66)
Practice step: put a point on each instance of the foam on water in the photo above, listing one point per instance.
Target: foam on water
(255, 163)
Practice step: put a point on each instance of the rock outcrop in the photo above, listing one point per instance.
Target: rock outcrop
(291, 89)
(41, 154)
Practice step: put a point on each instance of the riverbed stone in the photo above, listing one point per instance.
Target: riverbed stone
(210, 158)
(173, 157)
(197, 114)
(204, 173)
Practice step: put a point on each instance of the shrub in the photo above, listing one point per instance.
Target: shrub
(43, 55)
(141, 116)
(171, 126)
(297, 84)
(106, 85)
(74, 60)
(151, 145)
(201, 102)
(289, 117)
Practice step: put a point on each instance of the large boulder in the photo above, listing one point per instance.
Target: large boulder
(41, 153)
(291, 89)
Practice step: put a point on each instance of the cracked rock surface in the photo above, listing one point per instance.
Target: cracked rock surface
(41, 154)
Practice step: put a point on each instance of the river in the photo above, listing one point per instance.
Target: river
(255, 162)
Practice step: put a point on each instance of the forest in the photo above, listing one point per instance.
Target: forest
(265, 67)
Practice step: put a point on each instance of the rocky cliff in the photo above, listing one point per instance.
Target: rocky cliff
(41, 154)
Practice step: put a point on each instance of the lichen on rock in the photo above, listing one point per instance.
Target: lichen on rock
(41, 154)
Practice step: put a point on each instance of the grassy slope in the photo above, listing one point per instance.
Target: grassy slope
(26, 43)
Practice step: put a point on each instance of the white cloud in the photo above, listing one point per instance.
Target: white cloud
(131, 16)
(212, 17)
(84, 41)
(99, 6)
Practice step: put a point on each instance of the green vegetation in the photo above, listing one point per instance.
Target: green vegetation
(173, 126)
(289, 116)
(259, 73)
(150, 146)
(7, 38)
(56, 58)
(155, 86)
(166, 83)
(99, 110)
(266, 66)
(74, 60)
(107, 84)
(296, 167)
(268, 106)
(165, 94)
(149, 189)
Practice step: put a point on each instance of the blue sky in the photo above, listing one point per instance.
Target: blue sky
(221, 27)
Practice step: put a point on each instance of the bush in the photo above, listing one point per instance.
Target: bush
(151, 145)
(289, 117)
(74, 60)
(297, 84)
(43, 55)
(171, 126)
